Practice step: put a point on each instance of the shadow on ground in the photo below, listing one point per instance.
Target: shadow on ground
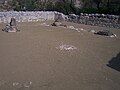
(114, 63)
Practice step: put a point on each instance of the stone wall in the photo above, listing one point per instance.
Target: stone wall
(29, 16)
(103, 20)
(112, 21)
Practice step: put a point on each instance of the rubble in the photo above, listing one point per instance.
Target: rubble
(60, 17)
(105, 33)
(11, 27)
(92, 31)
(71, 27)
(27, 84)
(44, 24)
(57, 23)
(20, 85)
(66, 47)
(103, 20)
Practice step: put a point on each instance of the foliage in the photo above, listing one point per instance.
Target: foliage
(65, 6)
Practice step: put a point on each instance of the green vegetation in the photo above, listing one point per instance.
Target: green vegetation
(66, 6)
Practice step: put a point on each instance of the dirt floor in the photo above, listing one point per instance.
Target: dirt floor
(32, 59)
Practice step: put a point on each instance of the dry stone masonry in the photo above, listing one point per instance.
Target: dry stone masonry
(112, 21)
(29, 16)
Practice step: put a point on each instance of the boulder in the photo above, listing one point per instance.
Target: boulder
(13, 22)
(11, 27)
(104, 33)
(59, 17)
(58, 24)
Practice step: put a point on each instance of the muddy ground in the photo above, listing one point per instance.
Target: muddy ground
(32, 59)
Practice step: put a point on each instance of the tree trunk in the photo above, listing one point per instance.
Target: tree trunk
(72, 7)
(98, 6)
(108, 5)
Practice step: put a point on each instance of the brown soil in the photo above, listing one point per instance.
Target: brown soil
(29, 59)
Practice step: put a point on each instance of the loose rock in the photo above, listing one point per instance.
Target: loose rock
(104, 33)
(11, 27)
